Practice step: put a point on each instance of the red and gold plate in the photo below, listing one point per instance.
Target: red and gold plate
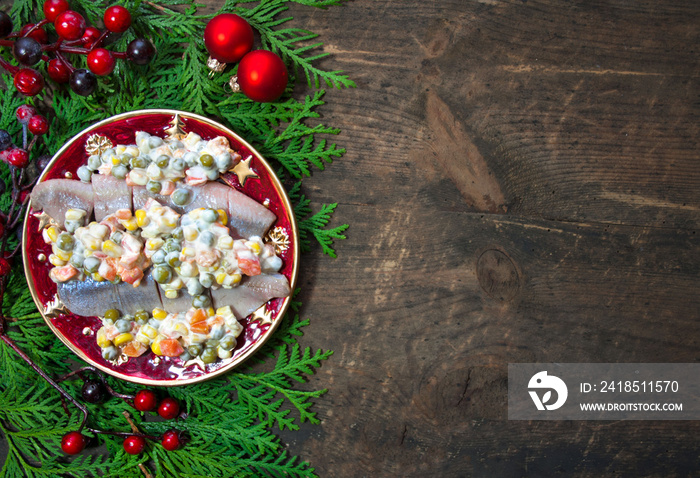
(255, 178)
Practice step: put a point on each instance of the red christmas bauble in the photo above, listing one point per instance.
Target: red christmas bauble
(73, 443)
(228, 37)
(262, 76)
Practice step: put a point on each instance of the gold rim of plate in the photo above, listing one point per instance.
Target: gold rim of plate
(292, 280)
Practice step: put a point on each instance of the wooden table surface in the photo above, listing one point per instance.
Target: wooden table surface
(522, 184)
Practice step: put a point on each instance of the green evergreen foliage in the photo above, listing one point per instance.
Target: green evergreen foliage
(232, 419)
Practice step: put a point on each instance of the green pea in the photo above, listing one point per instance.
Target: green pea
(162, 274)
(209, 215)
(195, 350)
(201, 301)
(217, 332)
(163, 161)
(212, 343)
(91, 264)
(120, 171)
(207, 238)
(181, 196)
(65, 242)
(173, 259)
(139, 162)
(228, 342)
(77, 260)
(110, 353)
(179, 164)
(158, 257)
(117, 236)
(206, 279)
(206, 160)
(141, 315)
(125, 159)
(94, 162)
(154, 186)
(112, 314)
(123, 325)
(172, 245)
(185, 356)
(209, 355)
(194, 287)
(178, 234)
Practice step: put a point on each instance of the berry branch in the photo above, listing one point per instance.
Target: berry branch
(31, 45)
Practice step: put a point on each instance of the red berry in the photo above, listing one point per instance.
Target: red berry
(5, 266)
(262, 75)
(100, 61)
(228, 37)
(58, 71)
(29, 82)
(70, 25)
(117, 19)
(145, 401)
(18, 157)
(134, 445)
(53, 8)
(169, 408)
(73, 443)
(38, 125)
(39, 34)
(171, 440)
(24, 113)
(90, 37)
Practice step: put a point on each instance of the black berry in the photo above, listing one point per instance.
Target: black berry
(5, 140)
(140, 51)
(83, 82)
(93, 391)
(43, 161)
(27, 51)
(5, 24)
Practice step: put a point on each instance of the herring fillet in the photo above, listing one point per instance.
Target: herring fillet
(91, 298)
(56, 196)
(111, 194)
(246, 216)
(251, 293)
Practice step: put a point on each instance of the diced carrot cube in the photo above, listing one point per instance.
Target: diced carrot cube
(200, 327)
(171, 348)
(134, 349)
(198, 316)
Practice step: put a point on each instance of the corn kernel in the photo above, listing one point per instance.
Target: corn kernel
(170, 222)
(171, 294)
(223, 217)
(254, 246)
(112, 249)
(53, 233)
(220, 277)
(121, 339)
(131, 224)
(225, 242)
(211, 312)
(102, 339)
(154, 243)
(75, 215)
(116, 161)
(143, 339)
(159, 313)
(149, 331)
(63, 255)
(91, 242)
(155, 346)
(236, 278)
(54, 260)
(224, 311)
(181, 329)
(142, 218)
(188, 252)
(190, 233)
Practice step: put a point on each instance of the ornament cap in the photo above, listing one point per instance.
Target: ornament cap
(233, 83)
(215, 66)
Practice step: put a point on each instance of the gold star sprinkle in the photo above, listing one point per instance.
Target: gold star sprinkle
(279, 238)
(175, 131)
(243, 171)
(262, 315)
(97, 144)
(55, 308)
(44, 220)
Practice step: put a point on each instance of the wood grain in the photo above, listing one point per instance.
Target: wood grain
(522, 186)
